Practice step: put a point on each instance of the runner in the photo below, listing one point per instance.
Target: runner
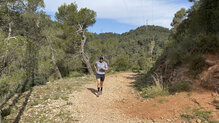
(100, 67)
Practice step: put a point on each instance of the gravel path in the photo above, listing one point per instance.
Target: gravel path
(100, 109)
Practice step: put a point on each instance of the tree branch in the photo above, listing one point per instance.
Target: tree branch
(9, 33)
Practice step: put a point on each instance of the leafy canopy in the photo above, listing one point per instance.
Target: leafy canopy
(70, 15)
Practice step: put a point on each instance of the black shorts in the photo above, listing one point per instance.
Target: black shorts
(101, 77)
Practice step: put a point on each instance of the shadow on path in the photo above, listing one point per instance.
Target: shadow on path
(94, 91)
(139, 81)
(18, 117)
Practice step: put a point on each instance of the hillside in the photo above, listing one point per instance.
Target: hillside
(192, 50)
(136, 49)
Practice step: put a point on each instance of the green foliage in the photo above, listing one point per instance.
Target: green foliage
(136, 69)
(162, 101)
(121, 63)
(143, 63)
(75, 74)
(135, 43)
(173, 56)
(197, 64)
(194, 34)
(202, 114)
(179, 87)
(71, 16)
(187, 116)
(207, 43)
(178, 18)
(216, 103)
(156, 89)
(4, 88)
(5, 112)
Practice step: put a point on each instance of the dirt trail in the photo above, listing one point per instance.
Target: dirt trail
(119, 103)
(102, 109)
(64, 101)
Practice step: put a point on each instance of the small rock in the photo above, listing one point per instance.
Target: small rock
(168, 120)
(198, 121)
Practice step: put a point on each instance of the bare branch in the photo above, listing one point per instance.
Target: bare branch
(9, 33)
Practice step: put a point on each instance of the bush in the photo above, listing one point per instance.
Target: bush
(75, 74)
(173, 56)
(136, 69)
(187, 116)
(5, 112)
(202, 114)
(179, 87)
(4, 88)
(197, 64)
(142, 62)
(39, 80)
(122, 63)
(207, 43)
(157, 89)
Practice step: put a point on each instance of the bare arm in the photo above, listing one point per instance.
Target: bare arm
(106, 69)
(95, 67)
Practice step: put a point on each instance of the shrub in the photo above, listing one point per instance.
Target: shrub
(207, 43)
(197, 64)
(202, 114)
(142, 62)
(4, 88)
(5, 112)
(39, 80)
(75, 74)
(157, 89)
(173, 56)
(179, 87)
(122, 63)
(136, 69)
(187, 116)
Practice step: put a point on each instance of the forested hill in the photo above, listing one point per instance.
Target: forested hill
(43, 50)
(191, 55)
(136, 49)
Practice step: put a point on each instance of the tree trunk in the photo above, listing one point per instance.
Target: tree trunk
(54, 61)
(0, 116)
(85, 58)
(56, 67)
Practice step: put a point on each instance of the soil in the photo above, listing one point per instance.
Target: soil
(120, 103)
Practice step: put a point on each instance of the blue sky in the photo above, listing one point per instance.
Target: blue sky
(120, 16)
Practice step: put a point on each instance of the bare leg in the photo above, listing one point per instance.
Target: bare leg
(101, 84)
(98, 86)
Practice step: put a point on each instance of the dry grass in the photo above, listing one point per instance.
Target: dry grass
(45, 101)
(157, 89)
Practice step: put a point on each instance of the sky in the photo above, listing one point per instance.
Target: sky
(119, 16)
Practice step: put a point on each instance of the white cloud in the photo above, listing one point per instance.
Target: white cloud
(134, 12)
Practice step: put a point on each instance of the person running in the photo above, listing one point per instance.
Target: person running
(100, 67)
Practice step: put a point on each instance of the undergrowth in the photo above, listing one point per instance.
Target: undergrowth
(156, 89)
